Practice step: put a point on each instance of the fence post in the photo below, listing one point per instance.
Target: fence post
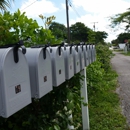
(85, 112)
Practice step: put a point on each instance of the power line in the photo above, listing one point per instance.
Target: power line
(71, 5)
(29, 5)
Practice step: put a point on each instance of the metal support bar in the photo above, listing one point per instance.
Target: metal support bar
(85, 112)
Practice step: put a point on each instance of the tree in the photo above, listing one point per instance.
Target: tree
(91, 36)
(121, 38)
(17, 26)
(4, 4)
(115, 42)
(58, 30)
(100, 36)
(121, 18)
(79, 31)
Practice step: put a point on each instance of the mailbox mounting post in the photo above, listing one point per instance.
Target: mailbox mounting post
(85, 112)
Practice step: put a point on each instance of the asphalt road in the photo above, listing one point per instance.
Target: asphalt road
(121, 64)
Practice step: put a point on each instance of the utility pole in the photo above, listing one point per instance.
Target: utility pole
(94, 25)
(68, 28)
(94, 31)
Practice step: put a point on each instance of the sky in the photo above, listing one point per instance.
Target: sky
(85, 11)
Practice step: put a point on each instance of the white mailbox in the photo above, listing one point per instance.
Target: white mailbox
(89, 54)
(69, 59)
(85, 49)
(15, 90)
(58, 65)
(40, 69)
(76, 56)
(92, 53)
(94, 49)
(81, 55)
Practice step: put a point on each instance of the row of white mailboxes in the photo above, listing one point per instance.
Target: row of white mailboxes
(34, 74)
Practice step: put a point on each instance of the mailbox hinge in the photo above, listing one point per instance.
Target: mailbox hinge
(15, 50)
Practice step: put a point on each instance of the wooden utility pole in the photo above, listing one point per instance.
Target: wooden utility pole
(94, 30)
(68, 28)
(94, 26)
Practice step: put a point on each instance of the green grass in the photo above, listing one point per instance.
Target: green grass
(104, 106)
(126, 54)
(118, 50)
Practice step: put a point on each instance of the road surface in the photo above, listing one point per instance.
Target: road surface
(121, 64)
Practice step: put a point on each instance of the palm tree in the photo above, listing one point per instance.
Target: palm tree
(4, 4)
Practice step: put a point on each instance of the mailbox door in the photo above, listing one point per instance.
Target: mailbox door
(94, 53)
(69, 65)
(76, 60)
(44, 70)
(15, 83)
(40, 71)
(81, 54)
(2, 94)
(89, 54)
(85, 55)
(58, 66)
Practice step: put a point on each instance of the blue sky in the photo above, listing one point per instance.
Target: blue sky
(85, 11)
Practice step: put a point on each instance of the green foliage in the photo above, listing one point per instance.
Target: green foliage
(104, 107)
(100, 36)
(121, 18)
(50, 112)
(104, 56)
(18, 26)
(121, 38)
(53, 110)
(125, 53)
(91, 36)
(95, 76)
(79, 32)
(58, 30)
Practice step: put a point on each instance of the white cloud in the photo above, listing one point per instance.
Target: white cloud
(35, 8)
(64, 7)
(99, 11)
(96, 11)
(104, 7)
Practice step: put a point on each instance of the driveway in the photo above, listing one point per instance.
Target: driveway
(121, 64)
